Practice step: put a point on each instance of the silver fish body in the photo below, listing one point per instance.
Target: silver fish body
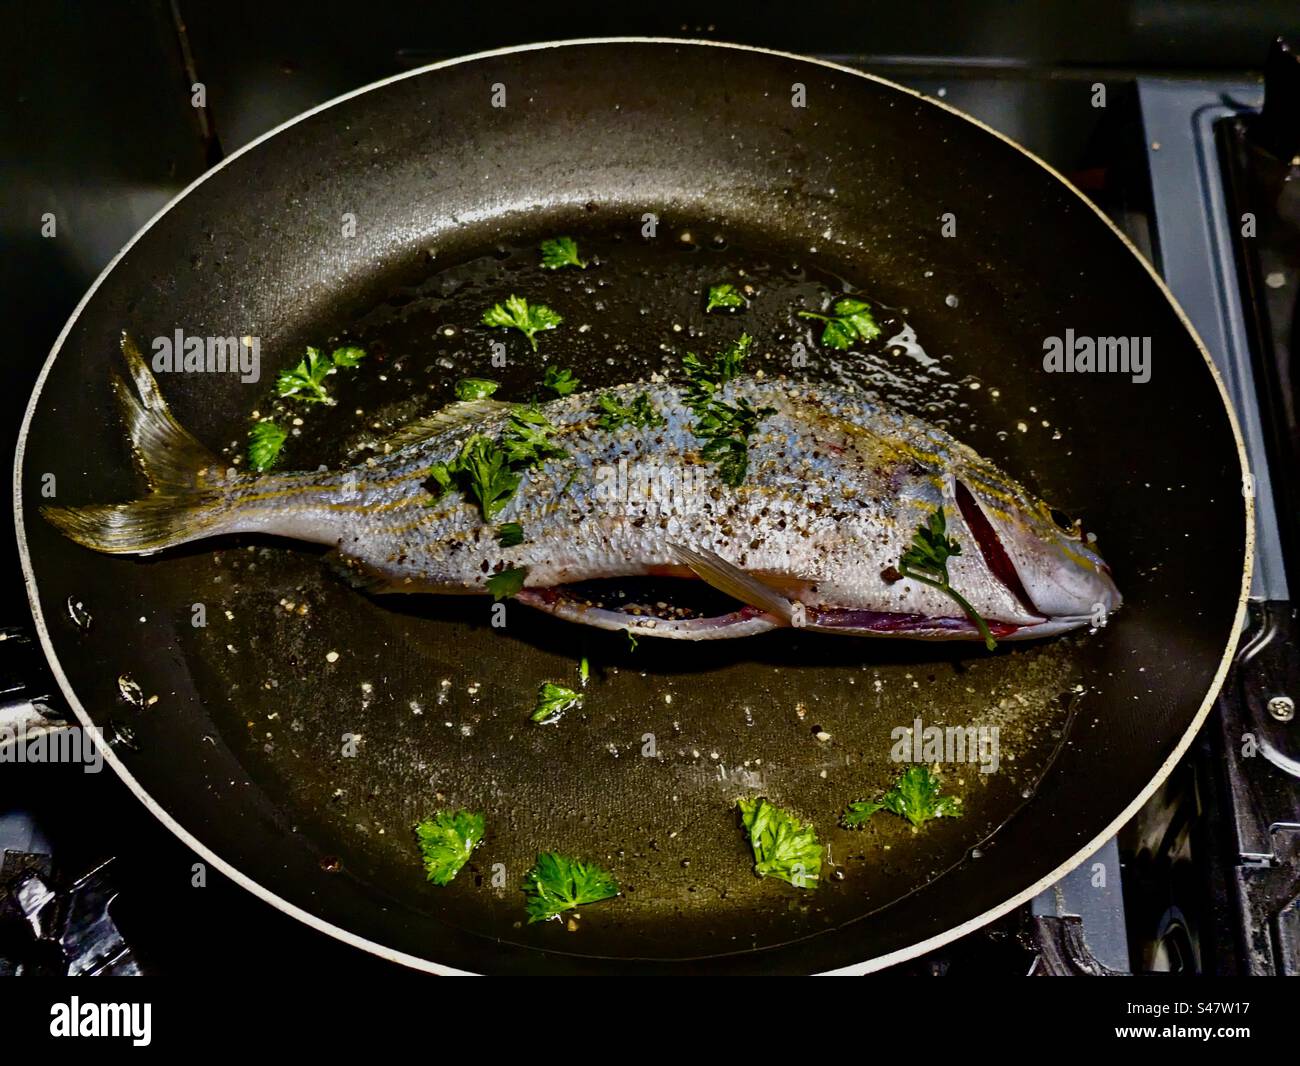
(835, 490)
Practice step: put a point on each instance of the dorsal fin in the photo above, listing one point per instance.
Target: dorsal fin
(447, 420)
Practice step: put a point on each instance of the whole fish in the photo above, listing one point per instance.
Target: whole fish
(832, 493)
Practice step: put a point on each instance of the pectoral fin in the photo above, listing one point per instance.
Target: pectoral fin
(738, 584)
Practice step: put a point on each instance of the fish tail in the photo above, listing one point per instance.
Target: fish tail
(189, 493)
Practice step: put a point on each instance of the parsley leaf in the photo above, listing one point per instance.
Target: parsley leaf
(552, 701)
(443, 476)
(857, 813)
(784, 847)
(915, 796)
(705, 376)
(557, 883)
(509, 534)
(560, 252)
(931, 547)
(527, 437)
(447, 840)
(507, 583)
(727, 297)
(726, 429)
(483, 473)
(307, 378)
(349, 355)
(926, 560)
(265, 440)
(476, 388)
(851, 320)
(640, 412)
(517, 314)
(560, 382)
(489, 472)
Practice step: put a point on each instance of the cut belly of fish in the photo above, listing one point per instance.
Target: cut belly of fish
(743, 622)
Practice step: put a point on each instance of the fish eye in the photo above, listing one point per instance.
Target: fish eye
(1064, 522)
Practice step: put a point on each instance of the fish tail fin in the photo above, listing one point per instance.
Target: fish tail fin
(188, 490)
(141, 527)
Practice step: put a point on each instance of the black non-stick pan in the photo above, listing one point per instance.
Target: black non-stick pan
(391, 218)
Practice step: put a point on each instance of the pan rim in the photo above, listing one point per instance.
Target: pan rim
(428, 965)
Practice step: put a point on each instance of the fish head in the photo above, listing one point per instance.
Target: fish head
(1042, 556)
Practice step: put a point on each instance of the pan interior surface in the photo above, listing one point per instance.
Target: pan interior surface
(304, 729)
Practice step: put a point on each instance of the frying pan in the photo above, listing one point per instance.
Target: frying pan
(389, 216)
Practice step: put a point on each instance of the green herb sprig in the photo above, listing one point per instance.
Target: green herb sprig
(517, 313)
(507, 583)
(510, 534)
(926, 561)
(560, 381)
(704, 376)
(482, 472)
(265, 440)
(447, 840)
(558, 252)
(725, 428)
(784, 847)
(526, 439)
(914, 796)
(557, 883)
(641, 413)
(488, 471)
(851, 320)
(725, 298)
(307, 379)
(348, 355)
(476, 388)
(552, 701)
